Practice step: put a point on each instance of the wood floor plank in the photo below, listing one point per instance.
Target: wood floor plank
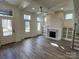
(38, 48)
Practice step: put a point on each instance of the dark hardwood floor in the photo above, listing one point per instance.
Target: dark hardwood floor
(38, 48)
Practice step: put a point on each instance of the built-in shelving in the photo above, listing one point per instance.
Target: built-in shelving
(67, 33)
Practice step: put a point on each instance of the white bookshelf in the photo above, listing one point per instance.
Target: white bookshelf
(67, 33)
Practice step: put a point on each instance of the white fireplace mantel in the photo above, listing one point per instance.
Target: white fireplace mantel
(54, 29)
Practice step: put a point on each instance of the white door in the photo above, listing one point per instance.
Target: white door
(7, 34)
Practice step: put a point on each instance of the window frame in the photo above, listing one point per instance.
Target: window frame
(3, 32)
(27, 20)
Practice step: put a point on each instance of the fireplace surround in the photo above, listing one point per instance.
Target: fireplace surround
(54, 33)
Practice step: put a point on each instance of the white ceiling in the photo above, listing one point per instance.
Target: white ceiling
(57, 4)
(67, 5)
(50, 5)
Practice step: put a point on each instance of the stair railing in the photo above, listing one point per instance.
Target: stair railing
(74, 34)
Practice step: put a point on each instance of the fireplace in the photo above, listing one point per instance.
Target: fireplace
(52, 34)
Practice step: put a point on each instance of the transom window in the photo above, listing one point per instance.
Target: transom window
(5, 12)
(27, 17)
(69, 16)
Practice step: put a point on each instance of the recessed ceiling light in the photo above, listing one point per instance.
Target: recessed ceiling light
(33, 8)
(62, 8)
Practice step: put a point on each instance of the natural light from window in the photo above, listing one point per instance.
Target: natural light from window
(7, 27)
(54, 44)
(69, 16)
(27, 19)
(38, 23)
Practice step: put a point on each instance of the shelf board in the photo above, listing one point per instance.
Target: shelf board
(67, 39)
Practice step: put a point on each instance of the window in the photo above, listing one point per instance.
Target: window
(45, 19)
(5, 12)
(7, 27)
(69, 16)
(38, 23)
(27, 19)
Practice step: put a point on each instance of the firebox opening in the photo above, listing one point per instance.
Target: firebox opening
(52, 34)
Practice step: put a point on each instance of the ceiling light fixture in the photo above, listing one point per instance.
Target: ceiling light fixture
(38, 12)
(41, 11)
(62, 8)
(33, 8)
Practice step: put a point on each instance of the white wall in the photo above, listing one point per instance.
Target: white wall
(19, 24)
(55, 19)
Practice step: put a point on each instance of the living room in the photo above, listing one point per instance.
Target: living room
(41, 25)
